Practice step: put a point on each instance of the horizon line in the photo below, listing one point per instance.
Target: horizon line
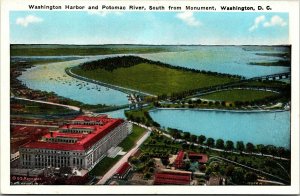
(159, 44)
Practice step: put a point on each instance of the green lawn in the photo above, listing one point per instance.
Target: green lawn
(104, 165)
(267, 84)
(130, 141)
(154, 79)
(238, 95)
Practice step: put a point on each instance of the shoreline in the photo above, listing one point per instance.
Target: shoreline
(115, 87)
(221, 110)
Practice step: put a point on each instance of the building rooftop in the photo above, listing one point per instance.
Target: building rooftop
(123, 169)
(172, 178)
(180, 156)
(84, 140)
(201, 158)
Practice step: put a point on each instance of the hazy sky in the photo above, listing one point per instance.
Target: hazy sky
(64, 27)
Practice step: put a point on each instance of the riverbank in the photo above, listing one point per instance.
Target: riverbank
(20, 89)
(115, 87)
(222, 110)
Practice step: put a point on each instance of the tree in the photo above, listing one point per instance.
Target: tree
(280, 151)
(271, 150)
(144, 157)
(134, 160)
(240, 146)
(229, 145)
(147, 175)
(185, 146)
(261, 148)
(150, 163)
(229, 170)
(193, 138)
(210, 142)
(187, 135)
(138, 119)
(151, 170)
(250, 177)
(238, 176)
(155, 124)
(220, 144)
(201, 139)
(223, 103)
(250, 147)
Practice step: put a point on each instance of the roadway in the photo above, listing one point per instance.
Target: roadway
(116, 87)
(34, 125)
(222, 150)
(50, 103)
(124, 159)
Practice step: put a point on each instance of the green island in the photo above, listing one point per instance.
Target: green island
(239, 95)
(149, 76)
(285, 63)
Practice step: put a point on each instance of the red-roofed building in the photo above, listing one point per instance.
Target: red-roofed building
(178, 164)
(201, 158)
(169, 177)
(123, 171)
(80, 143)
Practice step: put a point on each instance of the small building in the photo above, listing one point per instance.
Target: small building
(123, 171)
(179, 164)
(215, 180)
(198, 157)
(172, 177)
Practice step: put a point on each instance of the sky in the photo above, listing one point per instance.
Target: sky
(157, 28)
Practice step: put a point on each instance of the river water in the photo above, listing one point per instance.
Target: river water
(256, 127)
(233, 60)
(52, 77)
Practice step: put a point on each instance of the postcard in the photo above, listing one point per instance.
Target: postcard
(153, 97)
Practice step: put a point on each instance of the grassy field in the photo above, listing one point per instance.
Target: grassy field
(65, 50)
(104, 165)
(267, 84)
(154, 79)
(238, 95)
(130, 141)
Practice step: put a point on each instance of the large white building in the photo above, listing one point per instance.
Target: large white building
(80, 143)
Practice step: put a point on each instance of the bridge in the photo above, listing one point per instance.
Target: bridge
(278, 76)
(238, 88)
(235, 85)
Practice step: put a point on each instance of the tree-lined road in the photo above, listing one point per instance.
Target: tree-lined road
(124, 159)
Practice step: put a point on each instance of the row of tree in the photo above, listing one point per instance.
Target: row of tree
(145, 119)
(230, 145)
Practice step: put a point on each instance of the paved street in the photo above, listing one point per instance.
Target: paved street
(50, 103)
(113, 170)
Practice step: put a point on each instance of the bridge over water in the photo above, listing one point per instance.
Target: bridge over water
(235, 85)
(278, 76)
